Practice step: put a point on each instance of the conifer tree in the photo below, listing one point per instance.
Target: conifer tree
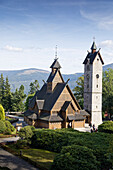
(7, 102)
(2, 84)
(34, 86)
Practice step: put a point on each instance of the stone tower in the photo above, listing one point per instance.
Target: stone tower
(93, 85)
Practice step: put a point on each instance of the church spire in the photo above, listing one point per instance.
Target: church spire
(93, 47)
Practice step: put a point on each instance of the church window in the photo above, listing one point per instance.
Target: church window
(97, 85)
(97, 59)
(87, 85)
(96, 106)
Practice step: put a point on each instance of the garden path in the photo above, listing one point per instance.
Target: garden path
(13, 162)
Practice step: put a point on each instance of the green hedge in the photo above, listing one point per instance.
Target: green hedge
(54, 140)
(75, 157)
(106, 127)
(50, 140)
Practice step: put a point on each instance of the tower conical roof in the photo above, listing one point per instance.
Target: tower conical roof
(93, 47)
(55, 64)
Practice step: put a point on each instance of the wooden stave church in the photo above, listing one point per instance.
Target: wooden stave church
(54, 105)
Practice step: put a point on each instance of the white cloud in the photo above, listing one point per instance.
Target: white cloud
(102, 20)
(106, 43)
(11, 48)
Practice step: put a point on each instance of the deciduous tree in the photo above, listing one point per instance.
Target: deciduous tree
(79, 90)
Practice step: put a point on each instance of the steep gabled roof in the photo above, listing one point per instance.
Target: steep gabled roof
(75, 117)
(52, 76)
(73, 97)
(49, 99)
(55, 64)
(91, 56)
(93, 47)
(51, 118)
(52, 98)
(65, 105)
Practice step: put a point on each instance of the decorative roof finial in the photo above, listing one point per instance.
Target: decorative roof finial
(94, 39)
(56, 52)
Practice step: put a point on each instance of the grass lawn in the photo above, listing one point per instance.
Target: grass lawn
(42, 158)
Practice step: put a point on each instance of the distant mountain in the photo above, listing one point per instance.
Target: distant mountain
(108, 66)
(26, 76)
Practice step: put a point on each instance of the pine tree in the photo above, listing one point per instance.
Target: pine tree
(34, 86)
(7, 102)
(2, 89)
(18, 98)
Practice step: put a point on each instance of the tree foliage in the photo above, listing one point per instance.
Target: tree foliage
(28, 99)
(107, 93)
(34, 86)
(79, 90)
(11, 101)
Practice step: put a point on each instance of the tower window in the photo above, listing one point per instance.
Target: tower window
(97, 76)
(97, 59)
(96, 106)
(97, 85)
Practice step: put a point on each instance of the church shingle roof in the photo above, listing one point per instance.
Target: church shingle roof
(49, 99)
(91, 56)
(51, 118)
(55, 64)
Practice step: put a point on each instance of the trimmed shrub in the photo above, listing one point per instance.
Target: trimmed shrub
(6, 127)
(21, 144)
(50, 140)
(9, 125)
(75, 157)
(26, 132)
(2, 113)
(106, 127)
(54, 140)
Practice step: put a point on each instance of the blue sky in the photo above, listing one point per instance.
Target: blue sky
(30, 30)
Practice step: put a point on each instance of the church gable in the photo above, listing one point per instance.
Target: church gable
(66, 95)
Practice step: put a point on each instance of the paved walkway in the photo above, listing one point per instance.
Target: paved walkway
(14, 162)
(11, 139)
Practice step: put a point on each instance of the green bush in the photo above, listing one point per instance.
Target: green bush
(106, 127)
(21, 144)
(26, 132)
(75, 157)
(54, 140)
(50, 140)
(6, 127)
(9, 125)
(2, 127)
(2, 113)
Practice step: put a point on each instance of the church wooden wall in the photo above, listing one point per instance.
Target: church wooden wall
(55, 125)
(57, 79)
(65, 96)
(79, 124)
